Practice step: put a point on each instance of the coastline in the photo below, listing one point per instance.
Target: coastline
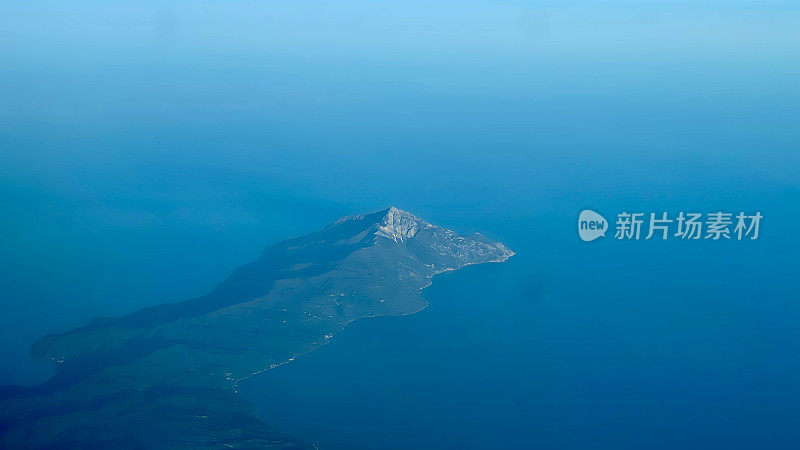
(235, 385)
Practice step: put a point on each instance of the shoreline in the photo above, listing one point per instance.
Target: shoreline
(328, 341)
(235, 385)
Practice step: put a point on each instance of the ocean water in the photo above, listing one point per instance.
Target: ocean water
(147, 150)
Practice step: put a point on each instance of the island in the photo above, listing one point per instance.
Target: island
(167, 376)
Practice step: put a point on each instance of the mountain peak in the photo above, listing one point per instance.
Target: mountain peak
(399, 225)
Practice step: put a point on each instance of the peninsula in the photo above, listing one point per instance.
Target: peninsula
(166, 376)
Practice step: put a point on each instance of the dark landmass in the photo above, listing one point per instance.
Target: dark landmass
(166, 376)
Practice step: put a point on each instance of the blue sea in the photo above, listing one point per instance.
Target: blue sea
(147, 149)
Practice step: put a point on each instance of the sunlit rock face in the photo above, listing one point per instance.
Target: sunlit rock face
(399, 225)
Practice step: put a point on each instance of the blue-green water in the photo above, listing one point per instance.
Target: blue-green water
(146, 150)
